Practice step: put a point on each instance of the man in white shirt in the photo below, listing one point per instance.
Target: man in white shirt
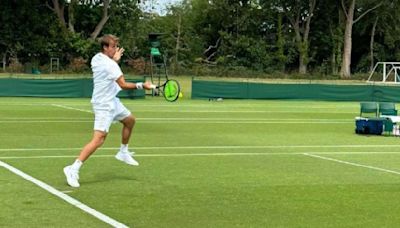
(108, 80)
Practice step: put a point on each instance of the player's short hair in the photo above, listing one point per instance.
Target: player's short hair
(107, 39)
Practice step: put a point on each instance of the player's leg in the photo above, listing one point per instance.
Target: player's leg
(103, 120)
(128, 125)
(124, 154)
(72, 171)
(128, 121)
(97, 141)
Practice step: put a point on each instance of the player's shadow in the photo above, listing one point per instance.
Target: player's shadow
(105, 177)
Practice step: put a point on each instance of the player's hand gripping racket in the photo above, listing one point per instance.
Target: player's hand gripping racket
(170, 90)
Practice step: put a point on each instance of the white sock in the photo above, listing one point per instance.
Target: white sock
(77, 164)
(124, 148)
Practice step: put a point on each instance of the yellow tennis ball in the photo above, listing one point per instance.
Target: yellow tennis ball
(180, 94)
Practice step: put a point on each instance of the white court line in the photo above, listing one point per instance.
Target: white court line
(46, 121)
(189, 120)
(46, 118)
(210, 147)
(207, 104)
(239, 111)
(68, 107)
(205, 154)
(63, 196)
(185, 122)
(172, 118)
(179, 119)
(151, 155)
(196, 111)
(352, 163)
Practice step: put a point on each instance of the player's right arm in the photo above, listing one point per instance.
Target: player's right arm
(121, 79)
(130, 85)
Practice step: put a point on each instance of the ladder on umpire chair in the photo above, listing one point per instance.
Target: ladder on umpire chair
(158, 62)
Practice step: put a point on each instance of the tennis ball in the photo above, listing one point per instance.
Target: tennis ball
(180, 94)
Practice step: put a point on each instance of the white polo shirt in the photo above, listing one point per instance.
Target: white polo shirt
(105, 73)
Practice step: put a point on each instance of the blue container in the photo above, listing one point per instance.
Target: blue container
(372, 126)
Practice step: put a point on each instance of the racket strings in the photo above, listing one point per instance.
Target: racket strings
(171, 90)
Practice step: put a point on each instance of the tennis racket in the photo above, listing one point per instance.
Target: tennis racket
(170, 90)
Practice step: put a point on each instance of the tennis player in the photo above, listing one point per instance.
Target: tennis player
(108, 80)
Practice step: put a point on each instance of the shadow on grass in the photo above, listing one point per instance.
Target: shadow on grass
(106, 177)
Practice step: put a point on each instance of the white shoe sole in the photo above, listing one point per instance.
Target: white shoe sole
(121, 159)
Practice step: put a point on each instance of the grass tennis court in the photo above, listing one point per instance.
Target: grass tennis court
(235, 163)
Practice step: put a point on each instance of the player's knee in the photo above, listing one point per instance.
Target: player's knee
(96, 143)
(100, 142)
(129, 121)
(98, 139)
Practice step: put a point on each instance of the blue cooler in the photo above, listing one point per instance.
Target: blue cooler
(369, 126)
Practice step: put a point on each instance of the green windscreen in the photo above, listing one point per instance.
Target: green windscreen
(307, 91)
(12, 87)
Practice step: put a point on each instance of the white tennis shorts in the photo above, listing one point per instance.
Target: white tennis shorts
(105, 115)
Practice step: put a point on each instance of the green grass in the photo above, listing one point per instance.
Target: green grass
(235, 163)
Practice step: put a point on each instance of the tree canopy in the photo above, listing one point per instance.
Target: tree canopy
(327, 37)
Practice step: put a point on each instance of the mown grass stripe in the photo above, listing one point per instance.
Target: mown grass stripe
(351, 163)
(212, 147)
(63, 196)
(208, 154)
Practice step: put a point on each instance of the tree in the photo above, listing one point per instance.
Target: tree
(240, 40)
(58, 7)
(103, 8)
(27, 31)
(382, 26)
(349, 7)
(299, 14)
(104, 18)
(176, 12)
(326, 41)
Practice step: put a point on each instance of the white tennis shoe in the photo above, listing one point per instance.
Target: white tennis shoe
(126, 157)
(72, 176)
